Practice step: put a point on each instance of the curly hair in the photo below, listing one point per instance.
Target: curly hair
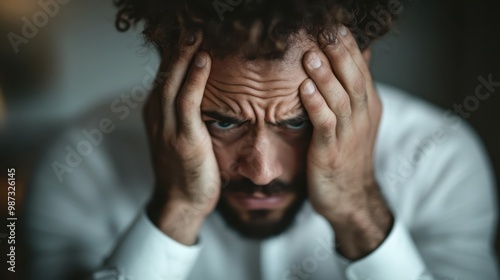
(259, 28)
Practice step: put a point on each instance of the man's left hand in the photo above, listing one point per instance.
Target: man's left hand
(344, 109)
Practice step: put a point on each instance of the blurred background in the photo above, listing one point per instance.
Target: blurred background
(75, 62)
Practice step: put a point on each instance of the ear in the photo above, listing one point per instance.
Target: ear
(367, 55)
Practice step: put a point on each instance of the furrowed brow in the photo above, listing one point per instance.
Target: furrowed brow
(300, 118)
(222, 117)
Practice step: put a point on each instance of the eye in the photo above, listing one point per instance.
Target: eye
(296, 125)
(221, 125)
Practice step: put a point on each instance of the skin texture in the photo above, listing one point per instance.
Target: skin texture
(327, 155)
(261, 152)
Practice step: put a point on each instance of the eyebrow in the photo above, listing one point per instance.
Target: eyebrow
(234, 120)
(221, 117)
(300, 118)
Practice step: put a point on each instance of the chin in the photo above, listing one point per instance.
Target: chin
(259, 224)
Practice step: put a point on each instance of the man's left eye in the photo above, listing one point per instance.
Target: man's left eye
(296, 125)
(222, 125)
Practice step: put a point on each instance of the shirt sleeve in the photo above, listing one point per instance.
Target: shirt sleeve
(398, 250)
(147, 253)
(445, 217)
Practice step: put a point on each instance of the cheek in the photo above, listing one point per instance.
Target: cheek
(295, 156)
(226, 157)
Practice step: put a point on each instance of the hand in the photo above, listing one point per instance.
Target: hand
(186, 170)
(345, 111)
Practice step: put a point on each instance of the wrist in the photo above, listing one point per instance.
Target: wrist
(361, 226)
(178, 220)
(360, 234)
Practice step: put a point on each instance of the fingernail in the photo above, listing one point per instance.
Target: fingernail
(327, 37)
(190, 39)
(314, 61)
(200, 60)
(343, 30)
(309, 88)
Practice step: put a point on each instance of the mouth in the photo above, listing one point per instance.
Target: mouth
(257, 200)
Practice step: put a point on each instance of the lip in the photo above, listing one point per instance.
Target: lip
(252, 202)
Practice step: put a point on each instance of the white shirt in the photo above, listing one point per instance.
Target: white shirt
(431, 169)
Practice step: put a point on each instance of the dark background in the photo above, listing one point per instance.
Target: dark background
(78, 61)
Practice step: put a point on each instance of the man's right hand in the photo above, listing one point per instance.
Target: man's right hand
(186, 171)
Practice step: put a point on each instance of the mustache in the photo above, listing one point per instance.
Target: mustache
(246, 186)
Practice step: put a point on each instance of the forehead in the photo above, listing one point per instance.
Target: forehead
(239, 85)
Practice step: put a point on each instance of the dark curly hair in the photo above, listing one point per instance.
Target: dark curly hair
(260, 28)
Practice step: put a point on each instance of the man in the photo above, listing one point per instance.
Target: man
(272, 158)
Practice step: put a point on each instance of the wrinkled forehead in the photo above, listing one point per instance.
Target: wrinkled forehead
(237, 83)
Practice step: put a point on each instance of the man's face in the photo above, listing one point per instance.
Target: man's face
(260, 134)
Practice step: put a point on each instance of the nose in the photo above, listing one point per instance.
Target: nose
(258, 159)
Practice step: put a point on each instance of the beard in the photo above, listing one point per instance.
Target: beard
(262, 223)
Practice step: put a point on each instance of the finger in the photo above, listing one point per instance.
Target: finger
(151, 114)
(318, 68)
(347, 71)
(367, 56)
(177, 68)
(191, 95)
(346, 37)
(362, 60)
(320, 115)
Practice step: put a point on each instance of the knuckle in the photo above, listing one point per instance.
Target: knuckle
(166, 99)
(345, 120)
(185, 125)
(194, 79)
(359, 83)
(187, 130)
(184, 53)
(363, 67)
(344, 104)
(184, 102)
(327, 124)
(350, 42)
(361, 98)
(326, 78)
(168, 85)
(327, 137)
(315, 105)
(182, 144)
(341, 54)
